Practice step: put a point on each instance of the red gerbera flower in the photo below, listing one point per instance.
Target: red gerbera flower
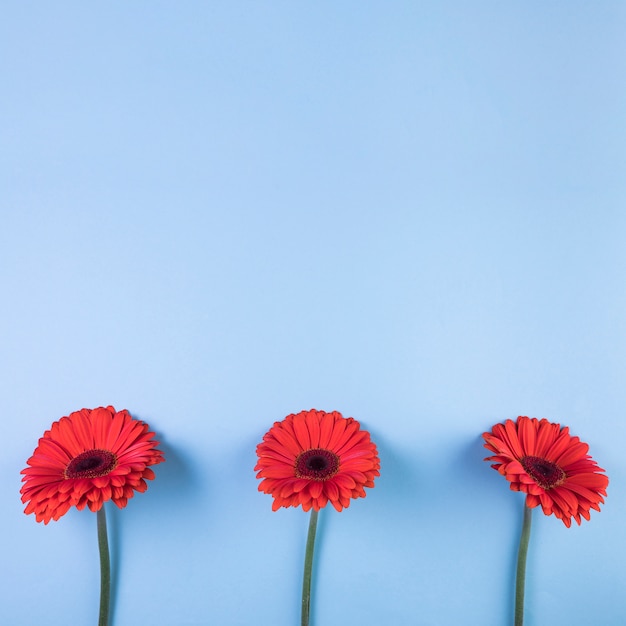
(313, 458)
(87, 458)
(553, 468)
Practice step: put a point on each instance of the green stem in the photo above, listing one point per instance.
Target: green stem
(308, 567)
(520, 580)
(105, 568)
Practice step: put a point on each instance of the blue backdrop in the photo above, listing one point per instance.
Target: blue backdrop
(216, 214)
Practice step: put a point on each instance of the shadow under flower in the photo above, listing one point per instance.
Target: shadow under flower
(175, 483)
(399, 475)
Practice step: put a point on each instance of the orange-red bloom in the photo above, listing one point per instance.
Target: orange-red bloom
(553, 468)
(87, 458)
(313, 458)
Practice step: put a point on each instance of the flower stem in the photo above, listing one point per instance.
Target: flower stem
(308, 567)
(520, 580)
(105, 568)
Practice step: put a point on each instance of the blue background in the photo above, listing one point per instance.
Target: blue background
(216, 214)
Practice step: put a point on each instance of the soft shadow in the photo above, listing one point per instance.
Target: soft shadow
(399, 476)
(174, 483)
(176, 480)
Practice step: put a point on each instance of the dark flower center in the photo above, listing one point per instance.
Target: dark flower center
(91, 464)
(317, 464)
(545, 473)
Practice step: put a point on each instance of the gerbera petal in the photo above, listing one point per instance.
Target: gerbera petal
(110, 430)
(320, 502)
(527, 435)
(65, 433)
(327, 423)
(560, 445)
(49, 452)
(315, 488)
(331, 490)
(351, 430)
(344, 480)
(337, 504)
(285, 439)
(339, 427)
(274, 449)
(362, 465)
(301, 431)
(546, 435)
(595, 482)
(512, 438)
(583, 491)
(277, 471)
(564, 500)
(532, 501)
(575, 451)
(132, 430)
(355, 441)
(313, 425)
(99, 423)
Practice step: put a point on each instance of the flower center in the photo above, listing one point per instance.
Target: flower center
(545, 473)
(317, 464)
(91, 464)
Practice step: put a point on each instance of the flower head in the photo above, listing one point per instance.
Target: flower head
(553, 468)
(87, 458)
(312, 458)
